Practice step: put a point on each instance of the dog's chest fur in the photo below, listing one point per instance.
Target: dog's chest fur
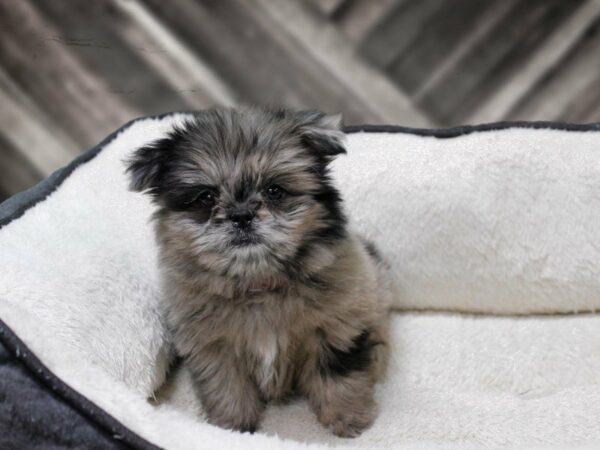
(266, 348)
(272, 341)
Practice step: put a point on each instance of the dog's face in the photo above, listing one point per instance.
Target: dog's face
(246, 193)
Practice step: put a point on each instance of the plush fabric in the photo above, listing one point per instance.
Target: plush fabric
(497, 221)
(502, 221)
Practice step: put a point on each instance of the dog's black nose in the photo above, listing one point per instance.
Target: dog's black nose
(241, 218)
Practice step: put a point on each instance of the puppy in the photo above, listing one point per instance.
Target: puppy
(267, 292)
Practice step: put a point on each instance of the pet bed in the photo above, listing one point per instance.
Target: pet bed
(492, 233)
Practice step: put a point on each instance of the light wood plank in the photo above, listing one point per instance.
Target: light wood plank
(361, 16)
(16, 174)
(173, 60)
(329, 48)
(31, 138)
(254, 52)
(93, 33)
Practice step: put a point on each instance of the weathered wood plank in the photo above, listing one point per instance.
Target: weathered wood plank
(192, 78)
(358, 18)
(493, 14)
(393, 35)
(440, 33)
(42, 147)
(16, 172)
(92, 32)
(34, 57)
(245, 55)
(331, 51)
(496, 58)
(71, 72)
(25, 109)
(573, 82)
(328, 7)
(259, 58)
(541, 62)
(29, 137)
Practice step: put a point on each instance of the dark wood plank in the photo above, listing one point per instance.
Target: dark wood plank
(259, 60)
(61, 84)
(358, 17)
(495, 58)
(328, 8)
(16, 173)
(570, 91)
(439, 34)
(326, 45)
(393, 35)
(545, 59)
(95, 33)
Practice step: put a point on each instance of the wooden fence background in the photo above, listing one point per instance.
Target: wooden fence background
(71, 71)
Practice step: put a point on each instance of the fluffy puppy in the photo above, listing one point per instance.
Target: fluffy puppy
(267, 292)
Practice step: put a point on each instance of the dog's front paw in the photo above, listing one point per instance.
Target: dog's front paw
(249, 428)
(344, 405)
(350, 425)
(349, 420)
(241, 424)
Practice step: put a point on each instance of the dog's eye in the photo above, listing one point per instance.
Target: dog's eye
(275, 192)
(207, 199)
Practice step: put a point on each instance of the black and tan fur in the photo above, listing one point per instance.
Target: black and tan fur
(267, 292)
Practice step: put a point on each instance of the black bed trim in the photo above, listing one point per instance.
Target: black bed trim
(37, 194)
(452, 132)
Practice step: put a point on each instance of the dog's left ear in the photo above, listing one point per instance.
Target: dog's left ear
(322, 132)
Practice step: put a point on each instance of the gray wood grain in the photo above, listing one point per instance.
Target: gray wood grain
(59, 80)
(73, 71)
(569, 91)
(257, 58)
(17, 173)
(497, 56)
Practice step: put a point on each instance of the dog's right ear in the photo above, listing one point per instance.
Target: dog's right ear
(149, 164)
(322, 133)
